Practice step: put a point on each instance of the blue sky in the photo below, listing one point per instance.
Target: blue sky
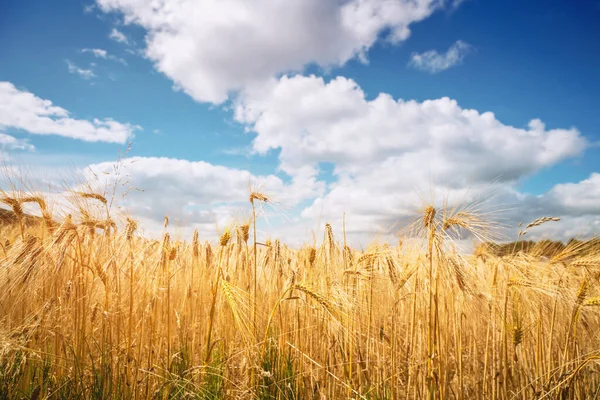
(209, 102)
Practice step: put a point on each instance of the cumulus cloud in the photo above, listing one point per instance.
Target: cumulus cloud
(578, 199)
(194, 194)
(386, 154)
(576, 203)
(433, 62)
(200, 195)
(569, 227)
(23, 110)
(313, 121)
(8, 142)
(210, 48)
(385, 150)
(118, 36)
(86, 74)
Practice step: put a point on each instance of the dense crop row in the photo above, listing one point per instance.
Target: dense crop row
(89, 309)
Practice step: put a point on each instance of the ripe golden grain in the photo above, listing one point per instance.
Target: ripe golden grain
(140, 318)
(94, 196)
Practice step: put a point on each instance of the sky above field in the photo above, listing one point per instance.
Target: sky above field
(357, 107)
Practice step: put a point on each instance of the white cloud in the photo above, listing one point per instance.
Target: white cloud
(24, 110)
(569, 227)
(118, 36)
(382, 150)
(575, 203)
(433, 62)
(385, 150)
(8, 142)
(312, 121)
(101, 53)
(194, 194)
(579, 199)
(200, 195)
(86, 74)
(210, 48)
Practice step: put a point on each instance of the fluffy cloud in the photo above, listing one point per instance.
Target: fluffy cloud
(200, 195)
(24, 110)
(196, 194)
(382, 150)
(578, 199)
(433, 62)
(385, 150)
(568, 227)
(8, 142)
(313, 121)
(575, 203)
(212, 47)
(86, 74)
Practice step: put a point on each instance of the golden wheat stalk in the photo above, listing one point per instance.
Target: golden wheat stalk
(94, 196)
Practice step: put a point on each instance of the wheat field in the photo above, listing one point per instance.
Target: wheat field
(89, 308)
